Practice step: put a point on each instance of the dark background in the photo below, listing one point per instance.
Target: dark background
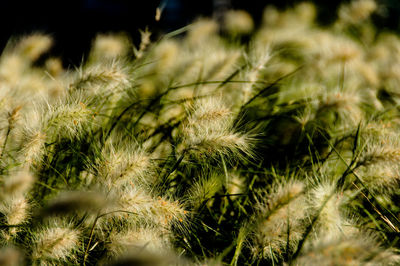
(74, 23)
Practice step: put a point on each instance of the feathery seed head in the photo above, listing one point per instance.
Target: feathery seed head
(340, 50)
(157, 211)
(271, 16)
(98, 78)
(33, 46)
(139, 257)
(166, 53)
(12, 68)
(355, 249)
(257, 60)
(55, 244)
(238, 22)
(203, 190)
(306, 11)
(378, 161)
(144, 43)
(17, 184)
(74, 201)
(109, 46)
(284, 210)
(209, 133)
(344, 105)
(381, 178)
(15, 210)
(147, 238)
(326, 202)
(54, 66)
(356, 11)
(122, 163)
(201, 30)
(33, 147)
(67, 120)
(383, 147)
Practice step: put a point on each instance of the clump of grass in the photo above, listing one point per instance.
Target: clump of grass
(232, 144)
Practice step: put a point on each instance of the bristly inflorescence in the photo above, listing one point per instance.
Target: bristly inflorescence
(209, 132)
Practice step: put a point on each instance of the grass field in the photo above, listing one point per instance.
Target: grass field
(240, 145)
